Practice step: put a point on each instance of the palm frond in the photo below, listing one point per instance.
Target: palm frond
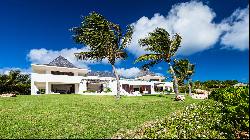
(175, 44)
(147, 57)
(89, 56)
(150, 64)
(127, 37)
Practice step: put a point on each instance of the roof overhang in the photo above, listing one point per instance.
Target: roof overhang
(56, 68)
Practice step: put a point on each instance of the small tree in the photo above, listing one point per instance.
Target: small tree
(104, 39)
(184, 70)
(15, 82)
(163, 49)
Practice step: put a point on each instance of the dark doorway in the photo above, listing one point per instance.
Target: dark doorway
(63, 88)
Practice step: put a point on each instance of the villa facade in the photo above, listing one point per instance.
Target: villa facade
(62, 77)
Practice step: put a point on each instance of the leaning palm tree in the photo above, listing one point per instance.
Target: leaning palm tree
(184, 70)
(104, 39)
(163, 48)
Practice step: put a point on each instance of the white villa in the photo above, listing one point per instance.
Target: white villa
(62, 77)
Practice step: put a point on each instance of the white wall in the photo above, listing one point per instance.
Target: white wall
(56, 78)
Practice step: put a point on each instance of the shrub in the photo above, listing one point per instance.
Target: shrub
(183, 89)
(15, 82)
(236, 106)
(107, 90)
(89, 91)
(202, 120)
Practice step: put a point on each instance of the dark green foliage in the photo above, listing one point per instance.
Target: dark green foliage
(15, 82)
(104, 38)
(224, 115)
(197, 121)
(106, 90)
(183, 70)
(214, 84)
(161, 46)
(161, 49)
(236, 106)
(183, 89)
(89, 91)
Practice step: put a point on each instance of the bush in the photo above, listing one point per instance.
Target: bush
(107, 90)
(202, 120)
(183, 89)
(236, 106)
(15, 82)
(89, 91)
(224, 115)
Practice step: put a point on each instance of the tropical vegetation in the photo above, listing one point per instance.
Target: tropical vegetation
(184, 70)
(15, 82)
(104, 40)
(160, 47)
(214, 84)
(236, 107)
(224, 116)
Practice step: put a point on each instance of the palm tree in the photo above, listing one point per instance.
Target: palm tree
(104, 39)
(163, 48)
(184, 70)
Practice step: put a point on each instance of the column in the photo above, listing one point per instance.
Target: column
(76, 88)
(47, 88)
(152, 88)
(34, 89)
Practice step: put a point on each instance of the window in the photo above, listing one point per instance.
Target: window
(62, 73)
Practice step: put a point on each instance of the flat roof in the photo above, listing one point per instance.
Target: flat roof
(42, 65)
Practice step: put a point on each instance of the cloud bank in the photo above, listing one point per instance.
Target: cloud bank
(237, 30)
(194, 21)
(128, 73)
(44, 56)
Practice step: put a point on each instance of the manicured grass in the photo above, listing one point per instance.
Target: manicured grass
(79, 116)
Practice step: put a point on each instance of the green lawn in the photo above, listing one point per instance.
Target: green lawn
(78, 116)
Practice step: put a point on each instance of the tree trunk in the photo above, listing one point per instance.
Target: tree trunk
(175, 82)
(189, 88)
(118, 82)
(185, 90)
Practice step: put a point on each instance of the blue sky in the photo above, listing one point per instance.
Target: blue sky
(215, 33)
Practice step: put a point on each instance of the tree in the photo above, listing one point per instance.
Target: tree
(104, 39)
(184, 70)
(15, 82)
(163, 48)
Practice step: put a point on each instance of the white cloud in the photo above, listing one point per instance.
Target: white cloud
(128, 73)
(237, 30)
(6, 70)
(192, 20)
(44, 56)
(141, 29)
